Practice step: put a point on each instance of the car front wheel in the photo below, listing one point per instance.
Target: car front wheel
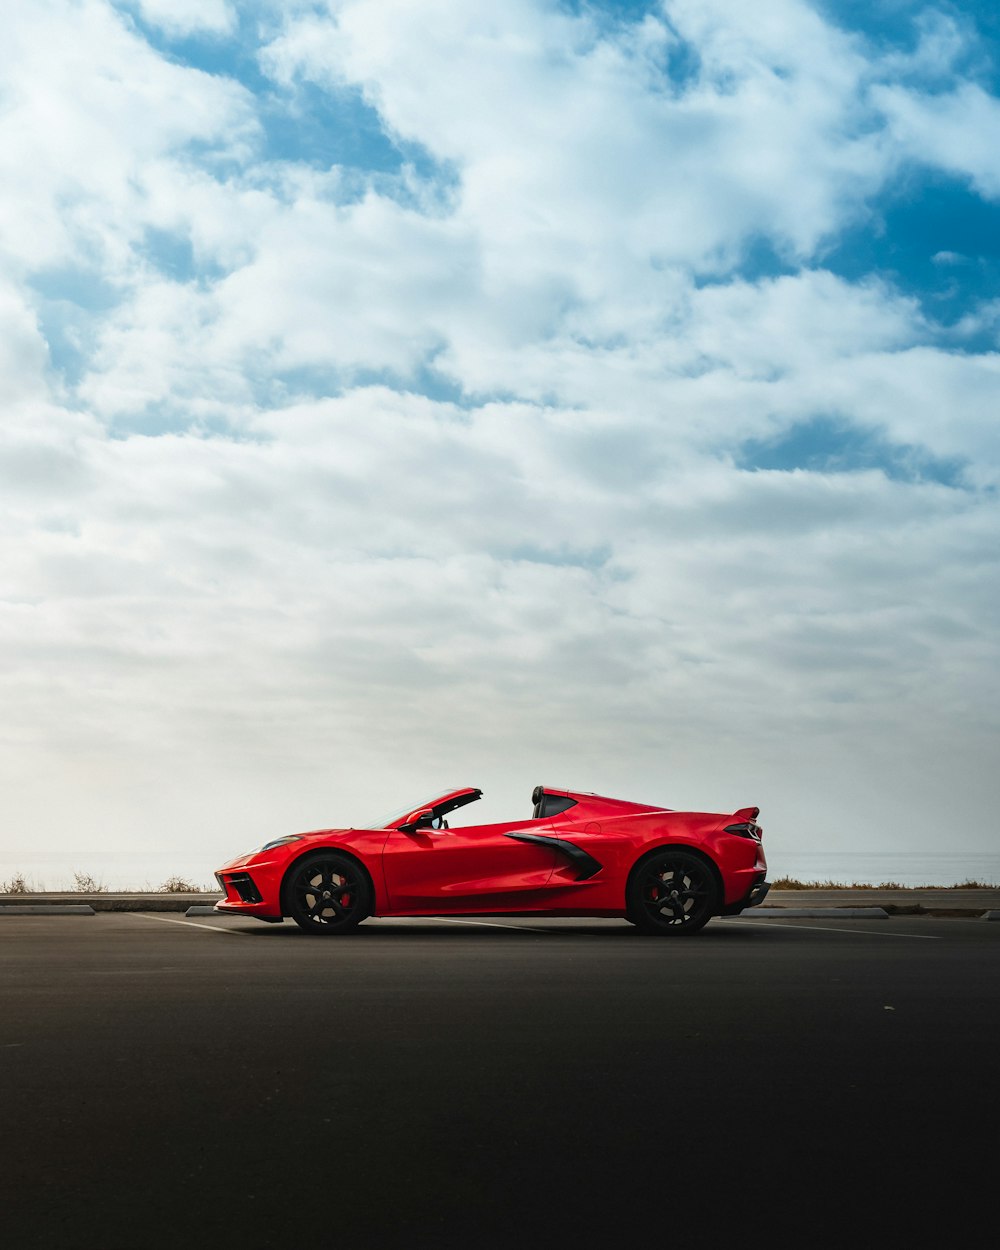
(672, 893)
(328, 893)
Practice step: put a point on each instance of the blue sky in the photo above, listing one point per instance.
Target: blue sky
(400, 391)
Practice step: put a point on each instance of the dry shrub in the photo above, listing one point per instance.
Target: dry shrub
(178, 885)
(86, 884)
(793, 883)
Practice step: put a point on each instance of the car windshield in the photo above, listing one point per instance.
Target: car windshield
(393, 818)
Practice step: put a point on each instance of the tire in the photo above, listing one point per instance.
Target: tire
(328, 893)
(672, 893)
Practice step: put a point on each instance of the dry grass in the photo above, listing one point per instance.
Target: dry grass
(178, 885)
(86, 884)
(793, 883)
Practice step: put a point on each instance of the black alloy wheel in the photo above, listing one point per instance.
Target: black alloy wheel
(328, 893)
(672, 892)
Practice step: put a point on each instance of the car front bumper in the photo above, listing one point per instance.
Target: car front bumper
(249, 893)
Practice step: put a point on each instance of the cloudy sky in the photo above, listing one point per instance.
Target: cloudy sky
(399, 393)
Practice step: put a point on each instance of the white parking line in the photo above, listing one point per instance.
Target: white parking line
(819, 928)
(191, 924)
(488, 924)
(493, 924)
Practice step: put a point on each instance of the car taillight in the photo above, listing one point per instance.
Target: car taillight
(747, 829)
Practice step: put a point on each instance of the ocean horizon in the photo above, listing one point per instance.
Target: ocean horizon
(148, 870)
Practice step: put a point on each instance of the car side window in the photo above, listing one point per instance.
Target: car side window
(552, 805)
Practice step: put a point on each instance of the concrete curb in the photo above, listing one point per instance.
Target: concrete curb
(201, 911)
(820, 913)
(45, 909)
(990, 915)
(153, 901)
(926, 900)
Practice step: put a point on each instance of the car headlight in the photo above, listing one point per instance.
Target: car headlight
(292, 837)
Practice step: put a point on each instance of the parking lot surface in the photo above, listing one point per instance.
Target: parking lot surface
(168, 1081)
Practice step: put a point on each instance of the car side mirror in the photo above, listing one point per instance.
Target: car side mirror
(422, 818)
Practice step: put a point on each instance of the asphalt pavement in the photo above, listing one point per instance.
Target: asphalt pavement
(216, 1082)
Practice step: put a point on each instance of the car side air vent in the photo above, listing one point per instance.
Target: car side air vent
(244, 886)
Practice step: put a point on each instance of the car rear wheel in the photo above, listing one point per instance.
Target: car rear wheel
(672, 893)
(328, 893)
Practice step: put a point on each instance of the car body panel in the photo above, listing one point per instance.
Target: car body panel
(571, 862)
(458, 869)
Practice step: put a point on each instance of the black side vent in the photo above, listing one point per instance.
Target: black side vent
(586, 865)
(244, 886)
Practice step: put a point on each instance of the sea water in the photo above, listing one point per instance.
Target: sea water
(914, 868)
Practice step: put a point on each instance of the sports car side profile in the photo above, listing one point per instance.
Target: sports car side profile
(578, 854)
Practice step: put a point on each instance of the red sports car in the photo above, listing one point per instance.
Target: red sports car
(579, 854)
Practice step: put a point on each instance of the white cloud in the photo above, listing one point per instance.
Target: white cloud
(577, 149)
(952, 131)
(87, 106)
(23, 351)
(186, 17)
